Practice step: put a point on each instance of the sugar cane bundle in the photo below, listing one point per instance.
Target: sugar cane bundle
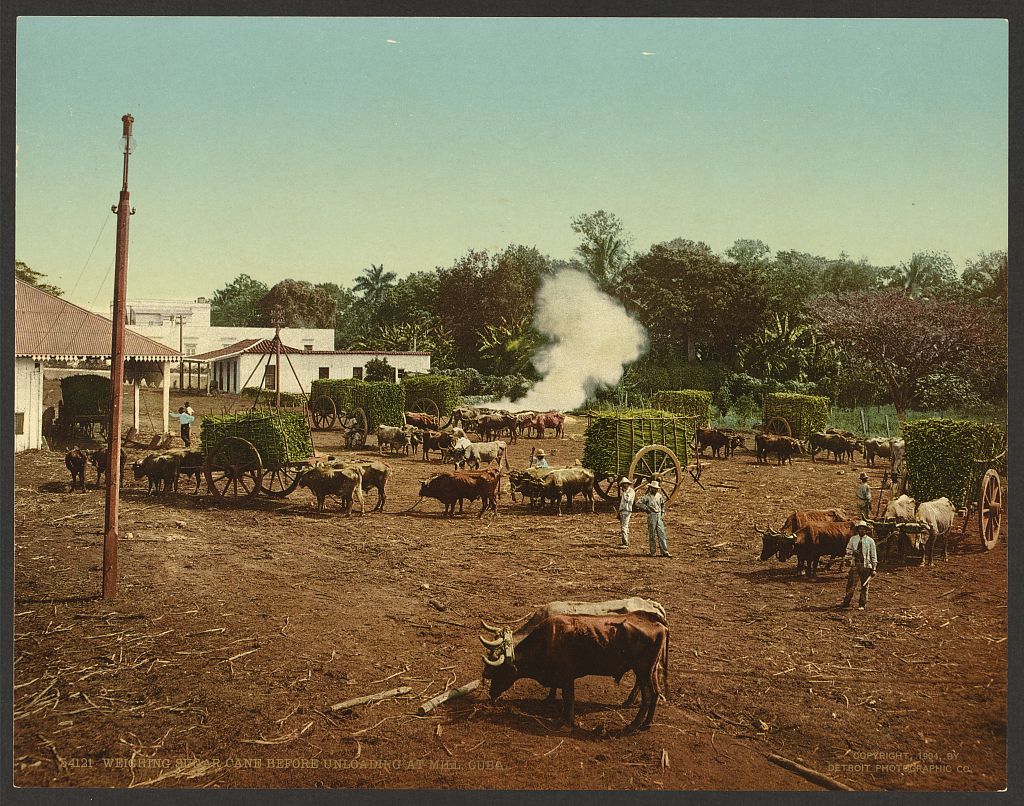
(279, 436)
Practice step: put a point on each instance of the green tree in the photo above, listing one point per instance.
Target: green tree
(986, 277)
(237, 303)
(352, 317)
(411, 299)
(605, 246)
(778, 352)
(843, 275)
(508, 346)
(926, 274)
(691, 299)
(378, 369)
(302, 305)
(372, 283)
(750, 253)
(27, 274)
(792, 279)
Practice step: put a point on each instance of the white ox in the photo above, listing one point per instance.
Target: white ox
(477, 453)
(937, 516)
(901, 509)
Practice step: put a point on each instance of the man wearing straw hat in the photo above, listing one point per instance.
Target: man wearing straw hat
(860, 550)
(627, 495)
(864, 496)
(539, 459)
(653, 503)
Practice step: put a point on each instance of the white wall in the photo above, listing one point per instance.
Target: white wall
(307, 367)
(28, 400)
(199, 339)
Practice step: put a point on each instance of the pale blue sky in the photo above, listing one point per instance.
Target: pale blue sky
(310, 148)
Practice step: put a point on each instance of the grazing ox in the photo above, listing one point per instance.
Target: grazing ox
(439, 441)
(376, 475)
(781, 543)
(395, 439)
(713, 438)
(191, 463)
(569, 481)
(345, 482)
(840, 446)
(451, 487)
(475, 454)
(75, 461)
(98, 459)
(550, 419)
(562, 648)
(782, 447)
(159, 469)
(937, 517)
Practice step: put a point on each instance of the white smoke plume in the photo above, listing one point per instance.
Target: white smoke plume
(592, 339)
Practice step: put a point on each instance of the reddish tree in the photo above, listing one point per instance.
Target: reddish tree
(900, 340)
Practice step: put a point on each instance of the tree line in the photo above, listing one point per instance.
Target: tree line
(741, 323)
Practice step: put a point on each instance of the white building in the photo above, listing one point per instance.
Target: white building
(48, 328)
(251, 361)
(184, 324)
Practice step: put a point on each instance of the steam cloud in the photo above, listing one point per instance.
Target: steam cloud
(592, 340)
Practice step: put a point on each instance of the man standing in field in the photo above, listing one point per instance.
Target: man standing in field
(627, 495)
(864, 496)
(653, 503)
(861, 551)
(186, 420)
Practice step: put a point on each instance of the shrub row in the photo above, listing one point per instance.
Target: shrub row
(805, 413)
(691, 402)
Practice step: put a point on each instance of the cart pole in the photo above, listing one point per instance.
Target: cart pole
(123, 210)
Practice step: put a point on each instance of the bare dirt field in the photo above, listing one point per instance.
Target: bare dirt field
(237, 627)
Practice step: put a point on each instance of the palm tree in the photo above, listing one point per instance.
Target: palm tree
(508, 346)
(778, 352)
(372, 283)
(922, 274)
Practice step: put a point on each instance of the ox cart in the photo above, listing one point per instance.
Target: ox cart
(261, 450)
(644, 445)
(325, 415)
(84, 405)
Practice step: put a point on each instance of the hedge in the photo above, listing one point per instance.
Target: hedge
(383, 402)
(633, 428)
(279, 436)
(691, 402)
(445, 391)
(85, 394)
(940, 454)
(806, 414)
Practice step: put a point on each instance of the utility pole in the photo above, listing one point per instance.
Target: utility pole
(181, 349)
(123, 210)
(277, 349)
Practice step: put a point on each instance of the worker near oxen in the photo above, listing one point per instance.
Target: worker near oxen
(627, 495)
(653, 503)
(539, 460)
(186, 421)
(862, 552)
(864, 496)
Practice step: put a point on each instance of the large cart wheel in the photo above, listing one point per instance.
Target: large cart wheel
(427, 406)
(362, 427)
(280, 482)
(234, 469)
(324, 412)
(658, 462)
(990, 509)
(607, 487)
(778, 426)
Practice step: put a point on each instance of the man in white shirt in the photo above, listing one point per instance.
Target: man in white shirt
(626, 497)
(653, 503)
(861, 551)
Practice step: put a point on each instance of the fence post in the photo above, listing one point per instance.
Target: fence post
(887, 434)
(863, 423)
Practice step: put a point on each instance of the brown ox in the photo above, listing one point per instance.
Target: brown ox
(75, 461)
(98, 459)
(550, 419)
(450, 487)
(816, 540)
(715, 439)
(496, 425)
(782, 447)
(419, 420)
(781, 543)
(439, 441)
(563, 648)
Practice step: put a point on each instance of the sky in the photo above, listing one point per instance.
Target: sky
(311, 148)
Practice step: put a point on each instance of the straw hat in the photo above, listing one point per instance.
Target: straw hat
(654, 485)
(539, 454)
(861, 523)
(625, 480)
(863, 476)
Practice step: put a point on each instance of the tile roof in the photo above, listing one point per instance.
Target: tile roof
(50, 327)
(253, 346)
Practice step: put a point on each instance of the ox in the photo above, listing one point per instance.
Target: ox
(840, 446)
(782, 447)
(439, 441)
(495, 425)
(478, 453)
(375, 476)
(158, 469)
(570, 481)
(937, 518)
(396, 439)
(75, 461)
(816, 540)
(190, 462)
(780, 543)
(529, 483)
(98, 459)
(345, 482)
(422, 421)
(551, 419)
(450, 487)
(713, 438)
(562, 648)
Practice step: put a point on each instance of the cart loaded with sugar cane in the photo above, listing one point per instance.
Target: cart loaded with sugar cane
(643, 445)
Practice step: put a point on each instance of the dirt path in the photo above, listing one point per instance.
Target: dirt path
(237, 627)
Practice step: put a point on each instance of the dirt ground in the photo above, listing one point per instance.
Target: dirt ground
(237, 627)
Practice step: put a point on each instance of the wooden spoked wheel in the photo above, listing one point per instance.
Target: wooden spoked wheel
(990, 509)
(427, 406)
(234, 470)
(362, 427)
(280, 482)
(778, 426)
(324, 413)
(658, 462)
(607, 487)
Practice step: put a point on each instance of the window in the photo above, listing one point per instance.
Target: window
(357, 373)
(307, 347)
(190, 349)
(19, 422)
(269, 379)
(325, 372)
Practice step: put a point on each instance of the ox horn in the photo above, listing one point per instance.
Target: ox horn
(759, 531)
(491, 644)
(490, 662)
(489, 628)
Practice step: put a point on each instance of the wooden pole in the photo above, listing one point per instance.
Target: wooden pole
(383, 695)
(440, 699)
(166, 402)
(135, 407)
(123, 210)
(808, 773)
